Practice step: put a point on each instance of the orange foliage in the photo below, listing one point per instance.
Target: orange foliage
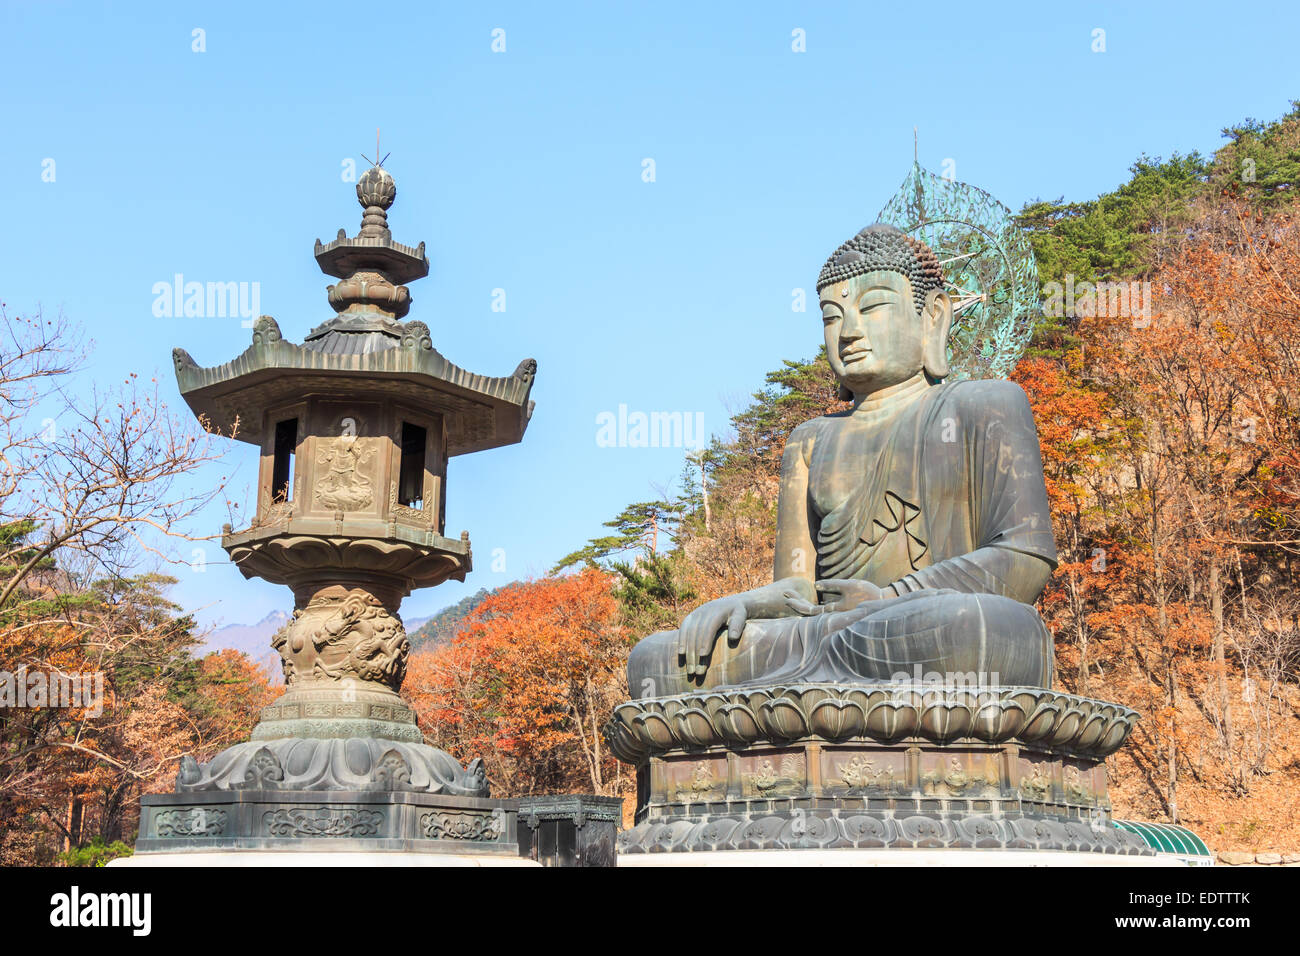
(236, 689)
(527, 684)
(1170, 445)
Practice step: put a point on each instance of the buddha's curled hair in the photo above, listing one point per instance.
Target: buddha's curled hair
(883, 247)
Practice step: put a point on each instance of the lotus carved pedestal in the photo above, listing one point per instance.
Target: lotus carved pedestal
(833, 766)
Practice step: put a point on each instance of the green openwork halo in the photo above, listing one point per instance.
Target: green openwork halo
(988, 266)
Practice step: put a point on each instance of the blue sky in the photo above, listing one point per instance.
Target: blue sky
(522, 171)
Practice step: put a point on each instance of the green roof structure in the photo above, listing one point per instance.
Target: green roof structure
(1169, 838)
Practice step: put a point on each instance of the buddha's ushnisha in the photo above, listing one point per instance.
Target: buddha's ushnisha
(913, 533)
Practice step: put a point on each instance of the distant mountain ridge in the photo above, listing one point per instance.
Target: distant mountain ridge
(442, 627)
(254, 640)
(413, 624)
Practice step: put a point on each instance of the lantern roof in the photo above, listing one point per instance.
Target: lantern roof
(366, 351)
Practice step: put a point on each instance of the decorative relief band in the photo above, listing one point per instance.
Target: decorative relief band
(827, 830)
(190, 822)
(361, 710)
(323, 822)
(462, 825)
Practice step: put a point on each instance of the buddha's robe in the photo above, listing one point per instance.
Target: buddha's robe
(937, 498)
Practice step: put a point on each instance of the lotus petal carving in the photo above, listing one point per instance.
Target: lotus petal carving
(809, 697)
(353, 763)
(671, 706)
(755, 699)
(885, 713)
(713, 704)
(1064, 729)
(1090, 733)
(694, 727)
(837, 719)
(655, 729)
(1115, 735)
(998, 721)
(1027, 699)
(623, 741)
(945, 720)
(783, 719)
(738, 724)
(890, 721)
(1041, 721)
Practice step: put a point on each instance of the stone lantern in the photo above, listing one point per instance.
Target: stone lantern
(356, 427)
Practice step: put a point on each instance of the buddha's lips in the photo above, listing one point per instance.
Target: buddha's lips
(853, 354)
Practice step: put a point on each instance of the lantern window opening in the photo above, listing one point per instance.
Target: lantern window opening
(410, 481)
(286, 443)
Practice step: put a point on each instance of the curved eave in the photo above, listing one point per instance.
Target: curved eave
(271, 371)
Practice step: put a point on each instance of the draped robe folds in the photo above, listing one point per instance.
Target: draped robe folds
(949, 511)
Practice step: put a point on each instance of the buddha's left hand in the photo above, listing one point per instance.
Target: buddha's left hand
(841, 595)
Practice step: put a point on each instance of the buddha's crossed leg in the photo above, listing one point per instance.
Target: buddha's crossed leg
(968, 639)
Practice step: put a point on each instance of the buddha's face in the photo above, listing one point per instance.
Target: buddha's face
(874, 338)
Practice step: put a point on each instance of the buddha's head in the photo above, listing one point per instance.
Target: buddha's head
(885, 312)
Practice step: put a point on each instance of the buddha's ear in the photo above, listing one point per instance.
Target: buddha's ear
(937, 321)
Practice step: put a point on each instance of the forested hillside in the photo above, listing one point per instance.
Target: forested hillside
(444, 625)
(80, 610)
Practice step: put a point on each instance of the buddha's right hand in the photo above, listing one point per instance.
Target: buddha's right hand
(700, 629)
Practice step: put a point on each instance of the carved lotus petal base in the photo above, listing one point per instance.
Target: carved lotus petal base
(813, 766)
(352, 764)
(885, 713)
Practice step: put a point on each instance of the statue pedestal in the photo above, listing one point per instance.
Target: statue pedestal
(827, 767)
(281, 798)
(332, 859)
(891, 857)
(271, 822)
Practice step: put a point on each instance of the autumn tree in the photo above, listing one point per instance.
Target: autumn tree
(527, 685)
(94, 483)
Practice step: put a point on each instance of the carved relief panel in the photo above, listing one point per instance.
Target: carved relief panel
(347, 460)
(383, 461)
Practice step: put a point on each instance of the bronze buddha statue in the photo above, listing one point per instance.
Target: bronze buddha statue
(913, 532)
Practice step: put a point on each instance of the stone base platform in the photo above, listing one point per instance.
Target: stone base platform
(871, 767)
(271, 858)
(892, 857)
(273, 821)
